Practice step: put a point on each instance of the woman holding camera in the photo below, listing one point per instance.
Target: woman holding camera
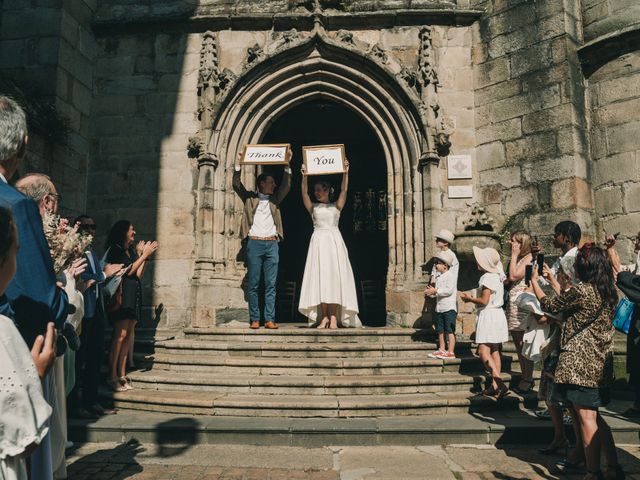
(584, 372)
(328, 296)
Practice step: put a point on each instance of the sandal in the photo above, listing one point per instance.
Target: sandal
(490, 392)
(522, 391)
(502, 392)
(116, 386)
(124, 381)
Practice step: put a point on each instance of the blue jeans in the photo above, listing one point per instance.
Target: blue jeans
(262, 256)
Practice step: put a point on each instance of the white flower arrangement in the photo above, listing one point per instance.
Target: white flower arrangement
(66, 242)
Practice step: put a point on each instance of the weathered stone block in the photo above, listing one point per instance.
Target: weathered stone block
(490, 156)
(571, 193)
(608, 200)
(624, 138)
(628, 224)
(491, 72)
(505, 176)
(617, 113)
(121, 65)
(551, 169)
(549, 118)
(518, 199)
(497, 91)
(537, 145)
(506, 130)
(631, 197)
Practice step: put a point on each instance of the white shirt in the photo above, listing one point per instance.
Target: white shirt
(447, 291)
(263, 224)
(3, 179)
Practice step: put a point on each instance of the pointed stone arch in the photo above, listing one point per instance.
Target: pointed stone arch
(318, 67)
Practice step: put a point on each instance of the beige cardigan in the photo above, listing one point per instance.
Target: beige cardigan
(251, 201)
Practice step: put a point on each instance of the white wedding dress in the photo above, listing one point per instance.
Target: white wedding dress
(328, 277)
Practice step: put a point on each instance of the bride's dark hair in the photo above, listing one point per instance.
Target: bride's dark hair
(593, 266)
(326, 186)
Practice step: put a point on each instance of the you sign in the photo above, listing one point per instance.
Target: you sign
(324, 159)
(267, 154)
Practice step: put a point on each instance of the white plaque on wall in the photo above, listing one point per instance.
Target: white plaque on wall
(459, 166)
(460, 191)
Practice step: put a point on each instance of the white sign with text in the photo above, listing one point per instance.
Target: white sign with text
(267, 154)
(324, 159)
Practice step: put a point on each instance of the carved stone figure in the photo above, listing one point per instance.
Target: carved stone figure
(211, 85)
(254, 53)
(378, 52)
(425, 81)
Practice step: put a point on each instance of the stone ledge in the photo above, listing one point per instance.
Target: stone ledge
(605, 48)
(201, 19)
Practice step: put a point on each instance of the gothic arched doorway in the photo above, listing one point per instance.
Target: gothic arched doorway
(363, 222)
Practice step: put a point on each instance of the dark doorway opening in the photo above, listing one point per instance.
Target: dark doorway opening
(363, 222)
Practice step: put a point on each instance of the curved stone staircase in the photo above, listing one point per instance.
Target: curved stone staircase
(300, 372)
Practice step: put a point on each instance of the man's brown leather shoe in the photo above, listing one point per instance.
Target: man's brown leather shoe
(270, 325)
(254, 325)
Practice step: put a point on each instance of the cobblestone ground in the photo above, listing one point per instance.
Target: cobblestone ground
(235, 462)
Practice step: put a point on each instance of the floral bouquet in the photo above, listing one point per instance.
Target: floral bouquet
(66, 242)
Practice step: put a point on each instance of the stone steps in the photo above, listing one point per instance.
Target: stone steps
(298, 333)
(301, 372)
(296, 349)
(311, 385)
(316, 366)
(252, 405)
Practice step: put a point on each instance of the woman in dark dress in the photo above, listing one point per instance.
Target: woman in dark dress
(120, 249)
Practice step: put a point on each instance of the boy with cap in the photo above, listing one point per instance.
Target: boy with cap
(446, 292)
(444, 240)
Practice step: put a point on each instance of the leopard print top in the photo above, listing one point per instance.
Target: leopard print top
(586, 345)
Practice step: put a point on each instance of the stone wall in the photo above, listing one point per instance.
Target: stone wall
(614, 91)
(144, 111)
(46, 48)
(601, 17)
(530, 116)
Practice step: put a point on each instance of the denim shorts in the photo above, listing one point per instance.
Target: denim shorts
(585, 397)
(446, 321)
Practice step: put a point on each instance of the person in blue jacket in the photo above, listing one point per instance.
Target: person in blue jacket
(32, 299)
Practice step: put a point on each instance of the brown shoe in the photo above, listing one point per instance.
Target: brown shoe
(270, 325)
(254, 325)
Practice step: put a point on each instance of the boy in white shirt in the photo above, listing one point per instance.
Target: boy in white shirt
(446, 293)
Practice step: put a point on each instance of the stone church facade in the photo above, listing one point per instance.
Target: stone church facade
(154, 100)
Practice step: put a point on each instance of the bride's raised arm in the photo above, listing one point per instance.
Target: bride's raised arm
(304, 188)
(342, 198)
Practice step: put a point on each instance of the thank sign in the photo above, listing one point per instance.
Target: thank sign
(267, 154)
(324, 159)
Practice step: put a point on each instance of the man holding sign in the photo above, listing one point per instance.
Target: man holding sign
(262, 229)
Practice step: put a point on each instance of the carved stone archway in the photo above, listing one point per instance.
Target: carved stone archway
(299, 70)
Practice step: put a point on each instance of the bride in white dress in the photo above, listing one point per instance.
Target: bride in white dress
(328, 296)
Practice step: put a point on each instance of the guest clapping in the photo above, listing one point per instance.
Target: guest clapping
(125, 307)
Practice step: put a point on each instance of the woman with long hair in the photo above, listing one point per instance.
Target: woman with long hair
(124, 315)
(328, 295)
(518, 320)
(584, 372)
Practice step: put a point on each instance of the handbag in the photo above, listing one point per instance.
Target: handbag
(533, 340)
(115, 301)
(623, 315)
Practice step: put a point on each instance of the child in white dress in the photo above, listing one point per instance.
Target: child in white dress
(491, 324)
